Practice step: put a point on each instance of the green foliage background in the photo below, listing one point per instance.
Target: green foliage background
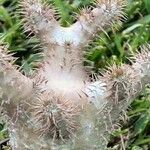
(119, 43)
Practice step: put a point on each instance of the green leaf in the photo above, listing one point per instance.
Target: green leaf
(2, 1)
(142, 122)
(136, 148)
(143, 141)
(5, 16)
(147, 5)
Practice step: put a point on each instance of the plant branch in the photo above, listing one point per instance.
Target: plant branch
(115, 91)
(13, 84)
(39, 19)
(91, 21)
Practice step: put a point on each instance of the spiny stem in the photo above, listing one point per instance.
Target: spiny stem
(117, 88)
(15, 86)
(48, 106)
(39, 19)
(63, 47)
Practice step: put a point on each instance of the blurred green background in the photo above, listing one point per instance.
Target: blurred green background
(120, 42)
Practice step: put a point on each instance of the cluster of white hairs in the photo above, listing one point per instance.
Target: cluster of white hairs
(61, 107)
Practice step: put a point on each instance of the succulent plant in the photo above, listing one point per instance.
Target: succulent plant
(62, 106)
